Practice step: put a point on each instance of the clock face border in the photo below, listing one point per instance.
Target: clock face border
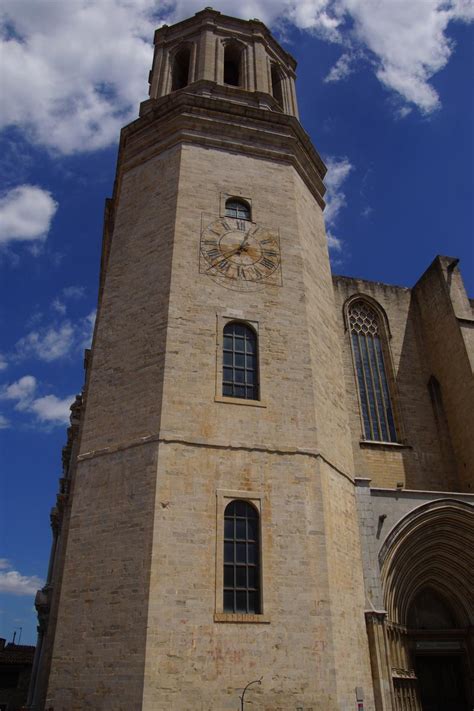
(238, 270)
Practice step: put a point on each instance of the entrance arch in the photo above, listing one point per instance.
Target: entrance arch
(426, 569)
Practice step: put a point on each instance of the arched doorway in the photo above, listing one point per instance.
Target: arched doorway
(437, 647)
(426, 567)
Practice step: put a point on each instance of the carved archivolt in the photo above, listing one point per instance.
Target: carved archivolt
(433, 546)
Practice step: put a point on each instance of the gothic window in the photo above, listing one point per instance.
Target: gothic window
(277, 89)
(240, 362)
(237, 208)
(232, 64)
(368, 348)
(241, 558)
(180, 73)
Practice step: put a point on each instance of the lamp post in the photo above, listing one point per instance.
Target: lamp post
(257, 681)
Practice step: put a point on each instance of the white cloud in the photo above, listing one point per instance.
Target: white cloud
(75, 72)
(342, 68)
(22, 391)
(52, 409)
(47, 344)
(338, 171)
(87, 329)
(59, 306)
(3, 362)
(26, 213)
(14, 583)
(48, 409)
(74, 292)
(334, 243)
(4, 423)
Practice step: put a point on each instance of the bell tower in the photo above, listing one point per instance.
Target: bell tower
(209, 535)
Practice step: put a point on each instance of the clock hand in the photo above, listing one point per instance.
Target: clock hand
(224, 256)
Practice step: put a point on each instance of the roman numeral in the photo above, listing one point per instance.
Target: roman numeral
(223, 266)
(213, 253)
(241, 225)
(270, 253)
(267, 263)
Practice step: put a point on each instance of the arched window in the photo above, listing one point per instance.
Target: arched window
(241, 558)
(237, 208)
(277, 89)
(371, 373)
(180, 74)
(240, 362)
(232, 64)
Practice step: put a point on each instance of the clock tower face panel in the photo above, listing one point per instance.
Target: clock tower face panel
(239, 254)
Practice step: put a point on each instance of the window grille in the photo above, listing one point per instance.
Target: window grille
(240, 362)
(241, 558)
(238, 209)
(371, 374)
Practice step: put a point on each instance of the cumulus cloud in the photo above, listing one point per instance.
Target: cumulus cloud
(22, 391)
(26, 213)
(48, 409)
(52, 409)
(14, 583)
(74, 73)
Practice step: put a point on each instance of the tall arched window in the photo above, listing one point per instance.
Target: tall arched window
(240, 362)
(237, 208)
(277, 89)
(232, 64)
(241, 558)
(371, 373)
(180, 74)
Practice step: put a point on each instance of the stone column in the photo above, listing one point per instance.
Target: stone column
(379, 659)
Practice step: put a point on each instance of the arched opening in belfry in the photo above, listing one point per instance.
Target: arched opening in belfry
(232, 64)
(181, 64)
(277, 88)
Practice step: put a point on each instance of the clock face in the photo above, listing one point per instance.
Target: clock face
(240, 254)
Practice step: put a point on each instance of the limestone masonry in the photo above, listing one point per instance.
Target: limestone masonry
(269, 472)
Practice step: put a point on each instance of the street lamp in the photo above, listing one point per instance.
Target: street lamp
(257, 681)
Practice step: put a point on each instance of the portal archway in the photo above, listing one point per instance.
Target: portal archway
(426, 569)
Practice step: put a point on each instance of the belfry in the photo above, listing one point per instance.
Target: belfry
(269, 473)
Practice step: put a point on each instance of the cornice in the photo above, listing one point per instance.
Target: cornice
(226, 119)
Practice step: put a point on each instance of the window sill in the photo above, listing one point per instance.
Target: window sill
(239, 401)
(240, 617)
(379, 445)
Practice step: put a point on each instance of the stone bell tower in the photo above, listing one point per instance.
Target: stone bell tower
(209, 535)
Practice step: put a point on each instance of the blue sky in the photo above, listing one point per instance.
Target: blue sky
(385, 93)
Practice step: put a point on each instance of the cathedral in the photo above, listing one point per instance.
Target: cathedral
(267, 497)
